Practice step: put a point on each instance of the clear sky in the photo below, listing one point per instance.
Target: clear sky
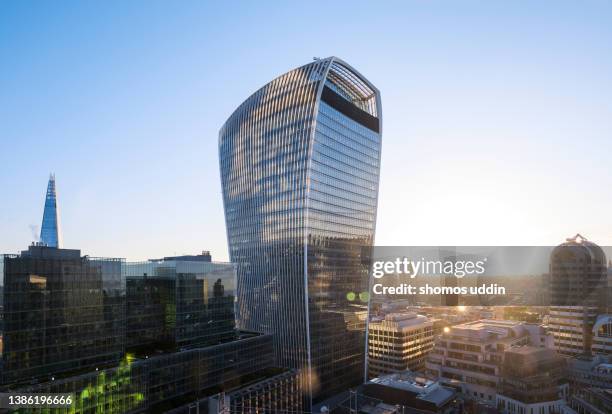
(497, 115)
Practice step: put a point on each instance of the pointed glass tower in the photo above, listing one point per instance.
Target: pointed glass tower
(50, 232)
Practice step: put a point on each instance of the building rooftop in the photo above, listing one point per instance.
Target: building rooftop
(202, 257)
(488, 324)
(380, 408)
(41, 251)
(426, 389)
(401, 320)
(170, 268)
(489, 329)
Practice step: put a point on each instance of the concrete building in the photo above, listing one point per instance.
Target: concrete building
(602, 335)
(399, 342)
(411, 391)
(592, 401)
(595, 372)
(572, 328)
(469, 356)
(406, 393)
(578, 294)
(533, 380)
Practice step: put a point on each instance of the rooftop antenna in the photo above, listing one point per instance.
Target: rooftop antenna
(578, 238)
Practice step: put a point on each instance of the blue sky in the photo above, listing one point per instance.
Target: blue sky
(497, 115)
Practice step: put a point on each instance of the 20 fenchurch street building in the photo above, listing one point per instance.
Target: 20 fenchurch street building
(300, 162)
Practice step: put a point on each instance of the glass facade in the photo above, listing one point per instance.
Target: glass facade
(300, 163)
(62, 313)
(50, 232)
(127, 337)
(159, 383)
(174, 304)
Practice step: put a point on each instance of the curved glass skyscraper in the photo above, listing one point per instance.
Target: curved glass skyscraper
(300, 161)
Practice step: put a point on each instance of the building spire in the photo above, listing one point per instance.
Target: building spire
(50, 232)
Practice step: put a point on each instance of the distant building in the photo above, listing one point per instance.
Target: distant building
(178, 303)
(533, 380)
(592, 401)
(593, 372)
(470, 356)
(50, 231)
(572, 328)
(202, 257)
(602, 335)
(398, 342)
(578, 290)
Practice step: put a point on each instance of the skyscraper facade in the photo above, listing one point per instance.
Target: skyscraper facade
(300, 161)
(50, 231)
(399, 342)
(578, 288)
(133, 337)
(174, 304)
(62, 312)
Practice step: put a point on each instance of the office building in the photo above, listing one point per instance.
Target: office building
(405, 392)
(602, 335)
(277, 393)
(63, 312)
(400, 341)
(592, 401)
(161, 382)
(591, 372)
(176, 303)
(50, 231)
(572, 328)
(533, 380)
(132, 337)
(578, 278)
(202, 257)
(300, 161)
(470, 356)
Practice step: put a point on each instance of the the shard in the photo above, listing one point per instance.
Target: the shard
(50, 232)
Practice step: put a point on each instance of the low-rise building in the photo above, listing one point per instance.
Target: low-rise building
(533, 380)
(398, 342)
(602, 335)
(592, 401)
(593, 372)
(469, 356)
(572, 328)
(411, 391)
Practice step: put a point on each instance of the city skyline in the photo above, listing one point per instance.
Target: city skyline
(242, 230)
(128, 118)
